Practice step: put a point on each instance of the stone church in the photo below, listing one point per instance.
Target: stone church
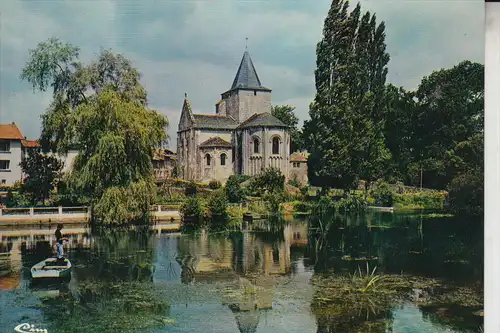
(242, 137)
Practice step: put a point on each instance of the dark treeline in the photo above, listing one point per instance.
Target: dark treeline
(363, 128)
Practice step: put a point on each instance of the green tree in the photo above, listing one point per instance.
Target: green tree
(217, 209)
(345, 133)
(450, 110)
(101, 110)
(42, 174)
(271, 179)
(286, 114)
(234, 192)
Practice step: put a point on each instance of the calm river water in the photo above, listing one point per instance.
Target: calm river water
(258, 280)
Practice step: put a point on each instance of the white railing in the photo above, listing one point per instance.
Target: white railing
(85, 210)
(32, 211)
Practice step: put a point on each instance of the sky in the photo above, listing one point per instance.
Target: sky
(195, 47)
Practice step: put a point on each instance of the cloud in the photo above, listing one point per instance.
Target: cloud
(196, 46)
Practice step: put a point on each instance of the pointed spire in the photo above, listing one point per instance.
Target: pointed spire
(186, 106)
(247, 77)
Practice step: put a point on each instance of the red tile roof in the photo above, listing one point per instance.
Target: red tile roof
(10, 132)
(298, 157)
(30, 143)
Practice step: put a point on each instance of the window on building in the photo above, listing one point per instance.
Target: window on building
(255, 92)
(276, 145)
(4, 145)
(207, 157)
(223, 159)
(4, 164)
(4, 182)
(256, 146)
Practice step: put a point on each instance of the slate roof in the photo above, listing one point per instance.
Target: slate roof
(10, 132)
(247, 77)
(209, 121)
(262, 120)
(216, 142)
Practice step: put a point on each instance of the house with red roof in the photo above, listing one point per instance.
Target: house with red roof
(11, 154)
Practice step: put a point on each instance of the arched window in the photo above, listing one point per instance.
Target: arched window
(256, 146)
(223, 159)
(276, 145)
(207, 157)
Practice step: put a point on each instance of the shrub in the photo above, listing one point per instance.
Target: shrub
(466, 194)
(214, 184)
(217, 209)
(383, 194)
(191, 189)
(350, 203)
(294, 182)
(234, 192)
(301, 206)
(273, 201)
(270, 179)
(426, 199)
(191, 212)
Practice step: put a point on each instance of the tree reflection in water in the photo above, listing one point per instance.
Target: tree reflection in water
(401, 246)
(112, 289)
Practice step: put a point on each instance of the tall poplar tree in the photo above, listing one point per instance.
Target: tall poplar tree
(345, 133)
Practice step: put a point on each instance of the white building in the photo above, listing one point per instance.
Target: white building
(14, 148)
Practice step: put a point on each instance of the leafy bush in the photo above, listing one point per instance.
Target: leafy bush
(214, 184)
(270, 179)
(325, 205)
(383, 194)
(350, 203)
(466, 194)
(16, 199)
(191, 189)
(273, 201)
(426, 199)
(294, 182)
(217, 209)
(301, 206)
(234, 192)
(191, 212)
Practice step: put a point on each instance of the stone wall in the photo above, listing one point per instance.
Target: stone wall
(298, 171)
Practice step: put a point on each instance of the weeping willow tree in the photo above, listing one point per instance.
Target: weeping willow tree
(99, 109)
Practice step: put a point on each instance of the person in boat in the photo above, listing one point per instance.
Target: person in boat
(59, 242)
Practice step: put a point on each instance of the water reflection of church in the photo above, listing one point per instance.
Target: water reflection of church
(246, 253)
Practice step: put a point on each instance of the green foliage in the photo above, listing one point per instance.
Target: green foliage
(42, 174)
(217, 209)
(273, 201)
(119, 205)
(421, 200)
(191, 189)
(286, 114)
(16, 200)
(99, 109)
(383, 194)
(351, 203)
(191, 211)
(234, 192)
(466, 194)
(271, 179)
(302, 206)
(350, 83)
(294, 182)
(214, 184)
(435, 133)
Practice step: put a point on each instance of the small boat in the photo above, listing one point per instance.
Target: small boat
(51, 268)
